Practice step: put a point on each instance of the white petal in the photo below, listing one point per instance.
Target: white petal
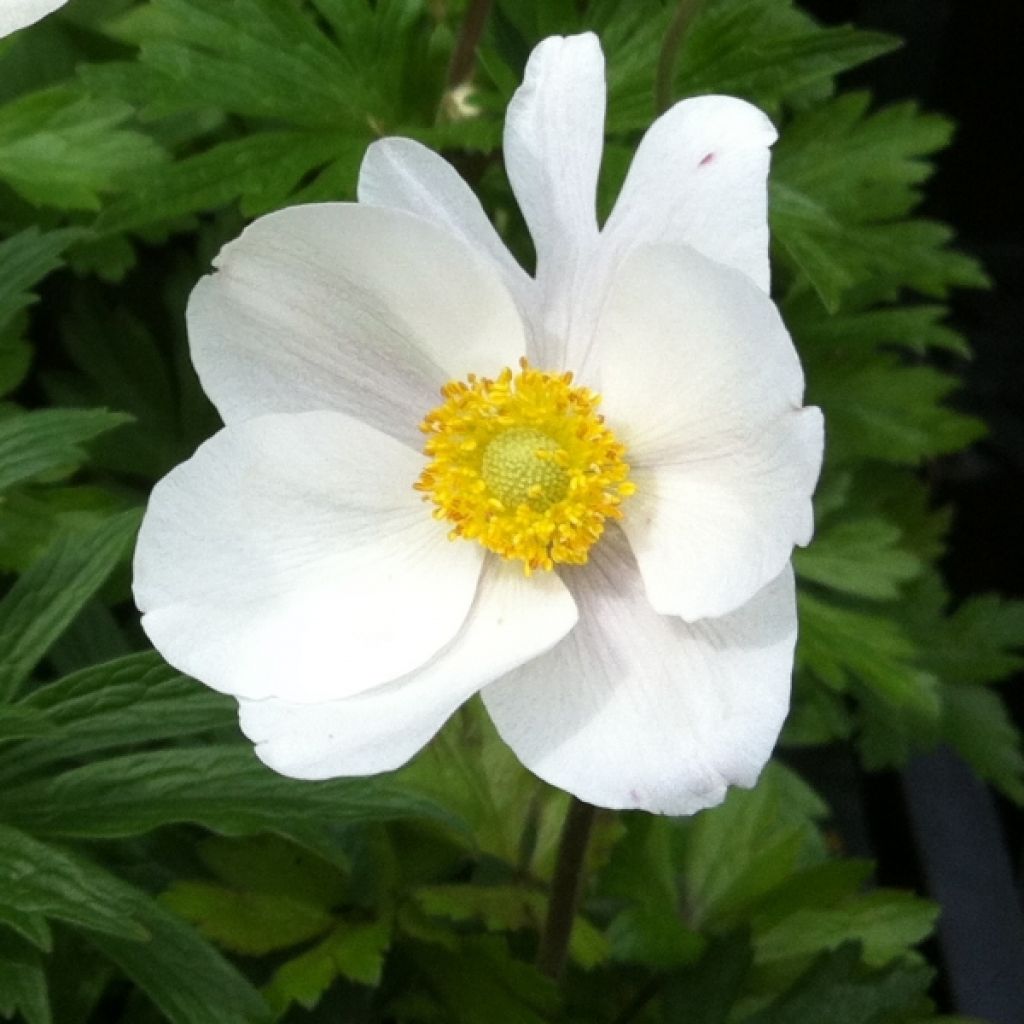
(699, 178)
(404, 175)
(16, 14)
(363, 310)
(290, 557)
(512, 620)
(709, 533)
(691, 358)
(554, 134)
(638, 710)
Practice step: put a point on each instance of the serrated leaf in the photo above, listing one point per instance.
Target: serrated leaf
(64, 149)
(48, 442)
(221, 787)
(767, 51)
(244, 921)
(354, 950)
(262, 170)
(737, 852)
(41, 604)
(859, 556)
(977, 723)
(887, 923)
(36, 878)
(136, 699)
(25, 259)
(841, 645)
(837, 988)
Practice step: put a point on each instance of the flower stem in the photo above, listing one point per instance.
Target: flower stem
(686, 11)
(464, 55)
(566, 888)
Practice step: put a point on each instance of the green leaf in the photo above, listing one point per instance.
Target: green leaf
(859, 556)
(887, 923)
(481, 981)
(467, 767)
(36, 878)
(64, 149)
(767, 51)
(136, 699)
(270, 863)
(842, 180)
(981, 642)
(22, 982)
(845, 645)
(879, 409)
(837, 988)
(262, 170)
(976, 722)
(221, 787)
(25, 259)
(508, 908)
(248, 922)
(354, 950)
(19, 722)
(42, 603)
(185, 977)
(736, 853)
(49, 441)
(706, 992)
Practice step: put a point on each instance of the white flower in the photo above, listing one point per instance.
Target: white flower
(16, 14)
(294, 562)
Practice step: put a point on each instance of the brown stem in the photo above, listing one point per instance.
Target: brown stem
(566, 888)
(686, 11)
(464, 55)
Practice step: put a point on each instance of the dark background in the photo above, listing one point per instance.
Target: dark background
(935, 827)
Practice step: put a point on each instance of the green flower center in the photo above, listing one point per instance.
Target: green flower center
(522, 466)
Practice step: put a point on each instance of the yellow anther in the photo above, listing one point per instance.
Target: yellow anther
(525, 465)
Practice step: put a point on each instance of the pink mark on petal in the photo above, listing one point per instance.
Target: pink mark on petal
(707, 159)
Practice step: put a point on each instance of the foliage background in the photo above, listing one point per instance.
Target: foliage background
(150, 868)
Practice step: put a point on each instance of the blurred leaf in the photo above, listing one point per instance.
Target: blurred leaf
(22, 982)
(245, 921)
(837, 988)
(887, 923)
(482, 982)
(270, 863)
(49, 441)
(185, 977)
(36, 878)
(64, 149)
(41, 604)
(977, 723)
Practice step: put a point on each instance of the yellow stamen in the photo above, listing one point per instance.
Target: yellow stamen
(525, 465)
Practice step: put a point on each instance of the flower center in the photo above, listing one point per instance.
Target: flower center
(525, 465)
(519, 467)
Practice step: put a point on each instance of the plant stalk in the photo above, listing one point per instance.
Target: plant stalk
(463, 61)
(566, 888)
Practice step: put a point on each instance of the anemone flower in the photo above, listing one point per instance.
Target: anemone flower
(575, 493)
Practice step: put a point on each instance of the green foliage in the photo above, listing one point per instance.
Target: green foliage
(150, 867)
